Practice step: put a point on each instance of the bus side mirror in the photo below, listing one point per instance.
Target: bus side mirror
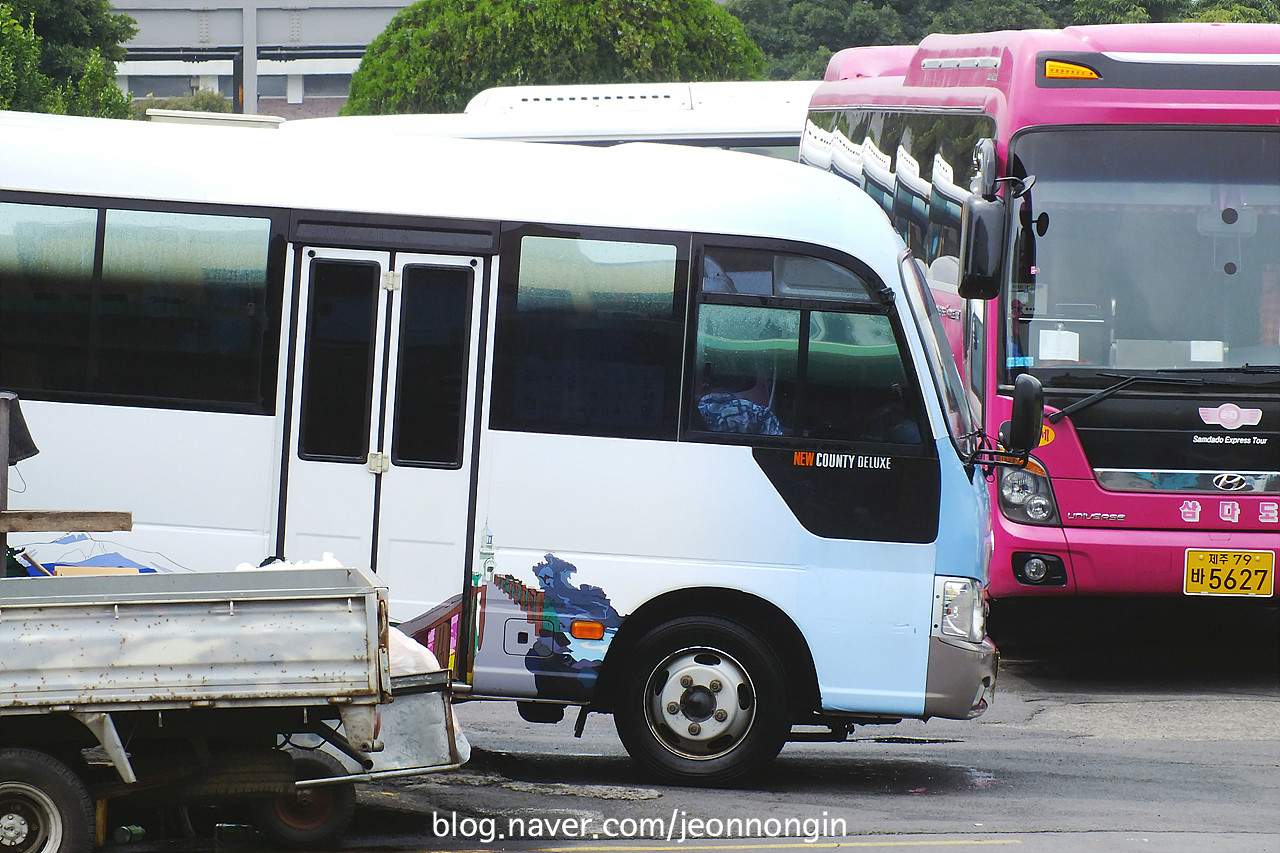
(1024, 427)
(981, 247)
(983, 182)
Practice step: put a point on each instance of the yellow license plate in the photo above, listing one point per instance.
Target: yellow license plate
(1229, 572)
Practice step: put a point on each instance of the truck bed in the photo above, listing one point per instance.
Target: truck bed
(206, 639)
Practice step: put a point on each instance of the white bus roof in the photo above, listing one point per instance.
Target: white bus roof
(637, 185)
(762, 110)
(644, 96)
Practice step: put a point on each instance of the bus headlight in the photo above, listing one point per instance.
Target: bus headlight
(1026, 496)
(960, 609)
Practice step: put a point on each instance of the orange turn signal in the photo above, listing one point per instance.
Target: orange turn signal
(1057, 70)
(1033, 465)
(581, 629)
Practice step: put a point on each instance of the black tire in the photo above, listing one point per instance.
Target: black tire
(702, 701)
(309, 816)
(44, 806)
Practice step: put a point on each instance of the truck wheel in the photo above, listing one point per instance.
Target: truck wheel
(44, 807)
(309, 816)
(234, 776)
(703, 701)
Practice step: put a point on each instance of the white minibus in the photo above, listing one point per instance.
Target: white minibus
(661, 432)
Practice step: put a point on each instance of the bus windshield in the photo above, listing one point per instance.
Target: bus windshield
(1142, 249)
(960, 414)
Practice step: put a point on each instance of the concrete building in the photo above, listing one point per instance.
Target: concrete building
(290, 58)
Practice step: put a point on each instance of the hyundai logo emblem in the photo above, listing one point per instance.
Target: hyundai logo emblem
(1230, 482)
(1231, 416)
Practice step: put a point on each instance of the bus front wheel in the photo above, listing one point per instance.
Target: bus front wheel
(703, 702)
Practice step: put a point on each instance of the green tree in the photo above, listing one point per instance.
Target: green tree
(22, 86)
(1108, 12)
(72, 29)
(94, 92)
(1127, 11)
(203, 101)
(1243, 11)
(436, 54)
(992, 15)
(798, 38)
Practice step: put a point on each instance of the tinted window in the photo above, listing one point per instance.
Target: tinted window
(589, 337)
(164, 308)
(751, 272)
(46, 297)
(432, 366)
(341, 313)
(856, 387)
(747, 363)
(781, 367)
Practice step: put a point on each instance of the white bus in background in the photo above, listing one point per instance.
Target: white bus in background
(764, 117)
(586, 445)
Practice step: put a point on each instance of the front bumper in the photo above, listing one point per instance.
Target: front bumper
(961, 679)
(1102, 561)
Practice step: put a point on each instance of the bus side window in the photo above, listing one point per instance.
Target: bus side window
(122, 306)
(857, 387)
(746, 370)
(765, 366)
(589, 337)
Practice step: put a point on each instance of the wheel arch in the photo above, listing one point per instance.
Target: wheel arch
(54, 733)
(753, 613)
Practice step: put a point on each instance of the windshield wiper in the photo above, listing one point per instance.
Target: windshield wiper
(1233, 377)
(1125, 382)
(1244, 368)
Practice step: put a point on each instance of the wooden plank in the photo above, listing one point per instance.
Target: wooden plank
(63, 521)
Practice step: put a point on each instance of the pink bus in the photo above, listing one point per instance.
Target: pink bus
(1118, 188)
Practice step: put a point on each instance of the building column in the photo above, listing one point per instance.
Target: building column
(249, 26)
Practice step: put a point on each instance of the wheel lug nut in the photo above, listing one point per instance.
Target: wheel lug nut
(694, 729)
(686, 681)
(715, 685)
(721, 715)
(673, 708)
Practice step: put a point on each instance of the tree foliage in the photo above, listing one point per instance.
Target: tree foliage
(1242, 11)
(94, 92)
(22, 86)
(1129, 11)
(72, 30)
(799, 36)
(436, 54)
(1109, 12)
(202, 100)
(992, 15)
(89, 90)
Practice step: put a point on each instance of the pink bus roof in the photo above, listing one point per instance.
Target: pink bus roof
(1193, 73)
